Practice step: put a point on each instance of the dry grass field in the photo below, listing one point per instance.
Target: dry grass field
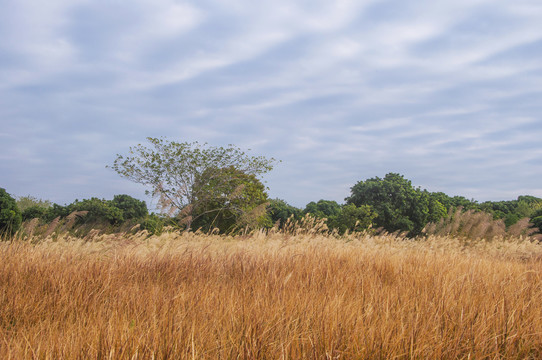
(280, 295)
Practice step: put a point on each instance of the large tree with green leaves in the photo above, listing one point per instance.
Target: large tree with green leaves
(399, 206)
(232, 201)
(191, 180)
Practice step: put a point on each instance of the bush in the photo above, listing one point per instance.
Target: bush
(34, 212)
(99, 210)
(399, 205)
(25, 202)
(131, 208)
(280, 211)
(352, 218)
(323, 208)
(476, 225)
(55, 211)
(10, 215)
(536, 220)
(153, 224)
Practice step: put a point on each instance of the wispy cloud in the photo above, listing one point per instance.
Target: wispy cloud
(445, 92)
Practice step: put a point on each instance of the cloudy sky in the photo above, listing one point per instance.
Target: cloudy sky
(446, 92)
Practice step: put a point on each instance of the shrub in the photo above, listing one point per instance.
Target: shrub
(352, 218)
(25, 202)
(33, 212)
(399, 205)
(55, 211)
(153, 224)
(280, 211)
(10, 215)
(99, 210)
(536, 220)
(475, 225)
(131, 208)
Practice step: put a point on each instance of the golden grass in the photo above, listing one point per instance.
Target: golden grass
(270, 296)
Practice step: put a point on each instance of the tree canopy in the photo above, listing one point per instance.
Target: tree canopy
(192, 180)
(10, 215)
(398, 205)
(230, 201)
(280, 211)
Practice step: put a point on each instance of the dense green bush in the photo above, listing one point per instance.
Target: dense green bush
(28, 201)
(153, 223)
(99, 210)
(352, 218)
(131, 208)
(323, 208)
(511, 211)
(280, 211)
(55, 211)
(399, 205)
(10, 215)
(114, 212)
(536, 220)
(34, 211)
(231, 202)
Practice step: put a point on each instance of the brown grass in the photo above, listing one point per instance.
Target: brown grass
(476, 225)
(270, 296)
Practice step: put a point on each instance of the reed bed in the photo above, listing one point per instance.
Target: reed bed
(270, 296)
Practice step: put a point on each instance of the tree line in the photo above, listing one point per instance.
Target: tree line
(218, 189)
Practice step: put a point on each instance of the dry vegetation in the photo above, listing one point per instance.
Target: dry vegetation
(283, 295)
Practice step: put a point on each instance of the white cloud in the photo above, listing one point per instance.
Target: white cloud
(441, 90)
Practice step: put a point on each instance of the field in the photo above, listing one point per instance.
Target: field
(277, 295)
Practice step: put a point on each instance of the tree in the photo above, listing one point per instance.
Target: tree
(25, 202)
(454, 202)
(99, 210)
(231, 201)
(512, 211)
(187, 177)
(352, 218)
(280, 211)
(323, 208)
(400, 206)
(33, 212)
(10, 215)
(131, 208)
(536, 220)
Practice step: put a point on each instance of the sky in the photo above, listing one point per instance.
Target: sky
(447, 93)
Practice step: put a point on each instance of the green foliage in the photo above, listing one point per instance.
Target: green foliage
(455, 202)
(514, 210)
(10, 215)
(25, 202)
(352, 218)
(536, 220)
(153, 223)
(510, 219)
(99, 210)
(233, 200)
(189, 179)
(342, 218)
(476, 224)
(280, 211)
(113, 212)
(436, 209)
(34, 212)
(323, 208)
(56, 211)
(131, 208)
(400, 206)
